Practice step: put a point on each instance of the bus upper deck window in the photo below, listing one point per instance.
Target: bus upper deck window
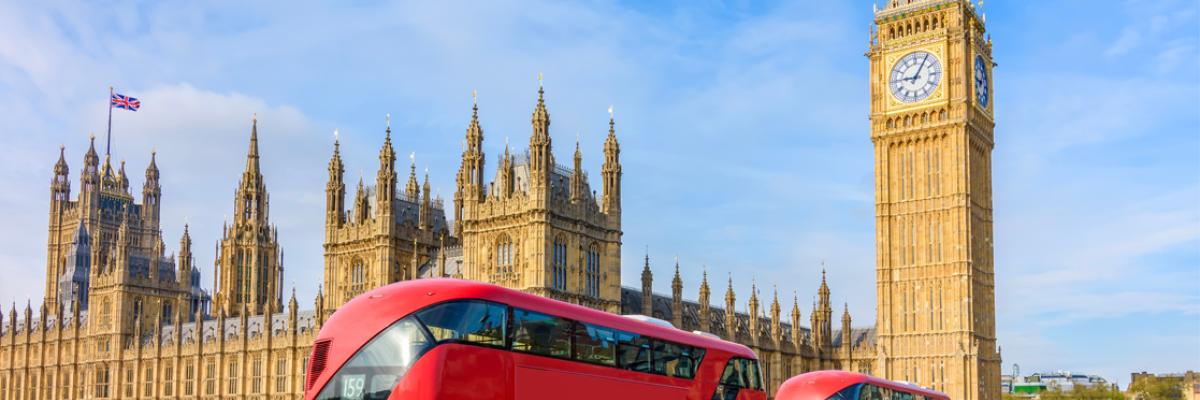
(595, 344)
(539, 333)
(470, 321)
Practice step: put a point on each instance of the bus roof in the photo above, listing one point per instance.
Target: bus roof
(371, 312)
(829, 382)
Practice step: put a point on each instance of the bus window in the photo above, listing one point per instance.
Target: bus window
(376, 368)
(849, 393)
(740, 373)
(595, 344)
(674, 359)
(872, 392)
(541, 334)
(633, 352)
(471, 321)
(898, 395)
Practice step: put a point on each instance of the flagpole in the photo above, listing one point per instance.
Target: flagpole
(108, 139)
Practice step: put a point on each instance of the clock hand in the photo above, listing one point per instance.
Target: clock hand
(921, 67)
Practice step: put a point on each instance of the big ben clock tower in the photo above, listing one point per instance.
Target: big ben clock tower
(932, 127)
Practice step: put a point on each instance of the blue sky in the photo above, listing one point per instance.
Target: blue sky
(743, 128)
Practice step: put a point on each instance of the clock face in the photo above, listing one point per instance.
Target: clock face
(915, 76)
(981, 81)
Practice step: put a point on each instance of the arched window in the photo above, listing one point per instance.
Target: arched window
(593, 271)
(358, 276)
(559, 267)
(504, 255)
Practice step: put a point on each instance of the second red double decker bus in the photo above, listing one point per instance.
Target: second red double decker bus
(843, 385)
(454, 339)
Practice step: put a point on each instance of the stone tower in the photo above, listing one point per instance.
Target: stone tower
(932, 128)
(388, 234)
(249, 261)
(538, 226)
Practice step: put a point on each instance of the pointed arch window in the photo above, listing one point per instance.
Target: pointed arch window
(358, 276)
(504, 255)
(559, 267)
(593, 271)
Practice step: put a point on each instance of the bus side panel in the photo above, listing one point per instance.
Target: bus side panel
(536, 383)
(472, 373)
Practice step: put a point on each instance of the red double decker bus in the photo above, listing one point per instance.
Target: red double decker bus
(453, 339)
(843, 385)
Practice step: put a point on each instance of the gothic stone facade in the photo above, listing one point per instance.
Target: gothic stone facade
(537, 227)
(121, 321)
(932, 127)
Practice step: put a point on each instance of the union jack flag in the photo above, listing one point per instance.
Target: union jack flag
(126, 102)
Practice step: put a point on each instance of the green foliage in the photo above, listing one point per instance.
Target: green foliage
(1155, 388)
(1080, 392)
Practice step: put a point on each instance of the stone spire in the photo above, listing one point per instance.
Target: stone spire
(385, 180)
(252, 153)
(413, 189)
(705, 301)
(776, 326)
(469, 182)
(541, 161)
(362, 205)
(60, 185)
(677, 298)
(611, 170)
(577, 188)
(753, 310)
(335, 188)
(796, 331)
(152, 192)
(647, 289)
(730, 312)
(847, 333)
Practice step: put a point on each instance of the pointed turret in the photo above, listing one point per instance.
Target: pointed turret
(469, 182)
(122, 178)
(385, 181)
(89, 176)
(647, 289)
(578, 189)
(504, 175)
(414, 272)
(252, 153)
(60, 185)
(251, 196)
(151, 192)
(752, 308)
(362, 205)
(776, 324)
(292, 312)
(677, 298)
(425, 214)
(730, 317)
(847, 333)
(611, 170)
(413, 189)
(541, 161)
(796, 332)
(705, 307)
(822, 317)
(335, 188)
(184, 261)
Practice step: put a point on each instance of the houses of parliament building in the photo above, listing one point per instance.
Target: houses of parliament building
(122, 319)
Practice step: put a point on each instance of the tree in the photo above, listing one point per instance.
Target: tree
(1156, 388)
